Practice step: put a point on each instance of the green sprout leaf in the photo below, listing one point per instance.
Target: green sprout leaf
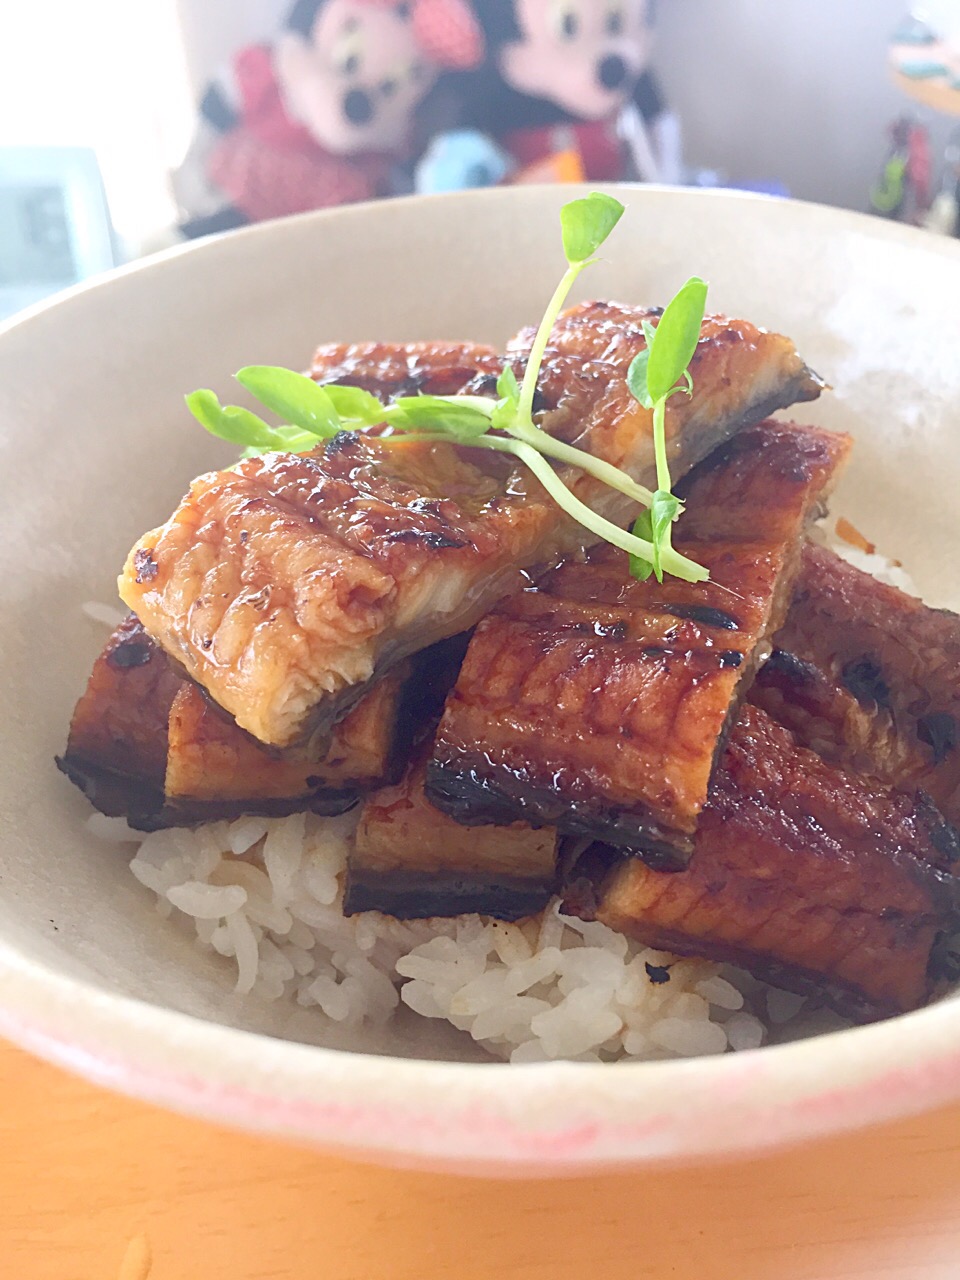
(355, 406)
(652, 379)
(654, 525)
(586, 224)
(504, 416)
(283, 440)
(638, 373)
(675, 339)
(637, 379)
(640, 567)
(461, 423)
(238, 426)
(508, 388)
(505, 413)
(312, 412)
(294, 397)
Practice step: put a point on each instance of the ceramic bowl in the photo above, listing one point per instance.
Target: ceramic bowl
(96, 446)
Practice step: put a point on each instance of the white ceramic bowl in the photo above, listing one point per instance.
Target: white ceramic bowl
(95, 447)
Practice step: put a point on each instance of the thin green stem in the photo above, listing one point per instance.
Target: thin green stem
(482, 404)
(532, 456)
(663, 476)
(674, 563)
(535, 358)
(660, 444)
(546, 444)
(574, 457)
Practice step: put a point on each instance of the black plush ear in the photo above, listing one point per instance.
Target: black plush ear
(498, 18)
(303, 17)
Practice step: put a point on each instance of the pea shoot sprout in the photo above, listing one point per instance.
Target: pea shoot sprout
(312, 413)
(660, 371)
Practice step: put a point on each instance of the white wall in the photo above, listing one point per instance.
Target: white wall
(792, 89)
(107, 74)
(213, 29)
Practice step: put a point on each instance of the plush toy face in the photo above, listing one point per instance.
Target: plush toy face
(356, 79)
(584, 55)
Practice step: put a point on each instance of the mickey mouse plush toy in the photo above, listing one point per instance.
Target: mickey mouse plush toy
(326, 115)
(573, 74)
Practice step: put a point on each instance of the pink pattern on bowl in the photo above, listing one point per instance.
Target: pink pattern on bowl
(90, 976)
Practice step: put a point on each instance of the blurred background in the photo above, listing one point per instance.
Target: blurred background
(125, 128)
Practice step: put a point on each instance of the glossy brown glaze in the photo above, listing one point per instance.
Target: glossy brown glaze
(147, 745)
(413, 862)
(741, 374)
(279, 585)
(596, 702)
(117, 748)
(808, 876)
(869, 678)
(391, 369)
(210, 760)
(284, 586)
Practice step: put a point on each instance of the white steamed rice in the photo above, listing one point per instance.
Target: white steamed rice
(266, 895)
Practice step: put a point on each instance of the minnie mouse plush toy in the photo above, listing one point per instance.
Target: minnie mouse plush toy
(573, 74)
(326, 115)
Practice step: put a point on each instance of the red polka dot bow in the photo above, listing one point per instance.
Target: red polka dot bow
(447, 30)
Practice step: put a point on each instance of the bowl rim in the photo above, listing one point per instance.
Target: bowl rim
(552, 1116)
(879, 228)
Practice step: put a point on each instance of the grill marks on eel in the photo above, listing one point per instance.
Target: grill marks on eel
(117, 749)
(869, 677)
(811, 877)
(285, 586)
(391, 369)
(413, 862)
(147, 745)
(306, 578)
(598, 704)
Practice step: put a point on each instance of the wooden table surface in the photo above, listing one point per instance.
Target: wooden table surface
(95, 1187)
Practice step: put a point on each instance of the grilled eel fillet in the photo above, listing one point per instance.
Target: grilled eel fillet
(391, 369)
(413, 862)
(215, 770)
(869, 678)
(597, 703)
(211, 763)
(117, 749)
(812, 878)
(146, 745)
(286, 585)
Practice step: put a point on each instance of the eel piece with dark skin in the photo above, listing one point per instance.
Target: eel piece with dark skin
(148, 746)
(869, 678)
(117, 748)
(390, 369)
(212, 766)
(287, 584)
(598, 703)
(215, 770)
(414, 862)
(815, 879)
